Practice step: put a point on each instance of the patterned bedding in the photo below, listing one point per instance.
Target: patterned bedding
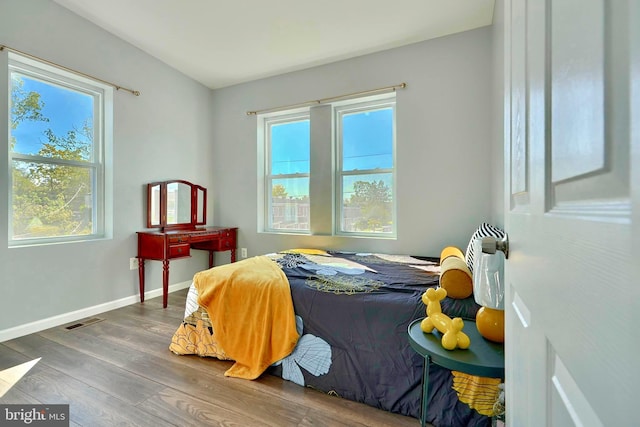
(352, 312)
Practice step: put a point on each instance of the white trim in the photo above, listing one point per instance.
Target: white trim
(61, 319)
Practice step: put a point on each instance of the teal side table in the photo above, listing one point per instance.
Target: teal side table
(483, 358)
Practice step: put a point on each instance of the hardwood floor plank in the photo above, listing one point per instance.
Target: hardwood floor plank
(184, 409)
(10, 358)
(17, 397)
(88, 406)
(118, 382)
(113, 333)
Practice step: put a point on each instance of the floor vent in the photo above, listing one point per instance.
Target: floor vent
(83, 323)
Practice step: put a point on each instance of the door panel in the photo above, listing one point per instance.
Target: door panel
(568, 404)
(571, 282)
(588, 68)
(576, 76)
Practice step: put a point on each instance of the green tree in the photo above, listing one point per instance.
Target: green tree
(25, 106)
(278, 190)
(49, 199)
(374, 200)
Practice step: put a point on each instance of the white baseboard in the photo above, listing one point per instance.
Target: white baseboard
(61, 319)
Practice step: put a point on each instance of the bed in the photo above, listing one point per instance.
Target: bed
(350, 314)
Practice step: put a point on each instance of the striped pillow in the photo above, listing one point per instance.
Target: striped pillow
(485, 230)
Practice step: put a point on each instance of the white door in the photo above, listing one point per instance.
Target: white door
(572, 179)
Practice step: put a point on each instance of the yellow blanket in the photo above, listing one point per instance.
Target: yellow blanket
(249, 303)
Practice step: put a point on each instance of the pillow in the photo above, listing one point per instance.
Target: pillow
(456, 278)
(306, 251)
(485, 230)
(450, 251)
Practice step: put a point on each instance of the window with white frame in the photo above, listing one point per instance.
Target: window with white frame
(365, 138)
(350, 156)
(288, 169)
(58, 154)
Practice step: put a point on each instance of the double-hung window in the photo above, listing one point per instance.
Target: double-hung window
(365, 137)
(288, 170)
(330, 169)
(58, 154)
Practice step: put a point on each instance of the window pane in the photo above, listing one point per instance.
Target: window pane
(290, 148)
(50, 120)
(51, 200)
(367, 203)
(367, 140)
(290, 204)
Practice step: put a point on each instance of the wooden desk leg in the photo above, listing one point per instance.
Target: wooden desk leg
(165, 282)
(233, 255)
(425, 391)
(141, 278)
(210, 259)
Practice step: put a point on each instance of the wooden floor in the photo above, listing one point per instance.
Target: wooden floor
(119, 371)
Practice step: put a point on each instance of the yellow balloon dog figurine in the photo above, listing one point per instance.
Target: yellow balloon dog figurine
(450, 328)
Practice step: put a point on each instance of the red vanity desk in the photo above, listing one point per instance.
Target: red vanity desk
(175, 244)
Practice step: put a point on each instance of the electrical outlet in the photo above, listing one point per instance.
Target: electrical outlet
(243, 252)
(133, 263)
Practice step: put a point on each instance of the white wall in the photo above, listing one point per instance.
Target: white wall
(444, 142)
(163, 134)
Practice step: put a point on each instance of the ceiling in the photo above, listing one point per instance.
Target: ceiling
(222, 43)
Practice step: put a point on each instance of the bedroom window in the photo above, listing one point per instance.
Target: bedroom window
(288, 167)
(58, 154)
(365, 135)
(329, 169)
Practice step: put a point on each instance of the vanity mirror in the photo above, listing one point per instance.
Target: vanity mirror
(179, 209)
(176, 205)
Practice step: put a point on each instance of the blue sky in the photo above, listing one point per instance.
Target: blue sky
(367, 144)
(367, 140)
(290, 148)
(66, 109)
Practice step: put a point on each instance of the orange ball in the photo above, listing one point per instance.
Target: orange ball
(490, 324)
